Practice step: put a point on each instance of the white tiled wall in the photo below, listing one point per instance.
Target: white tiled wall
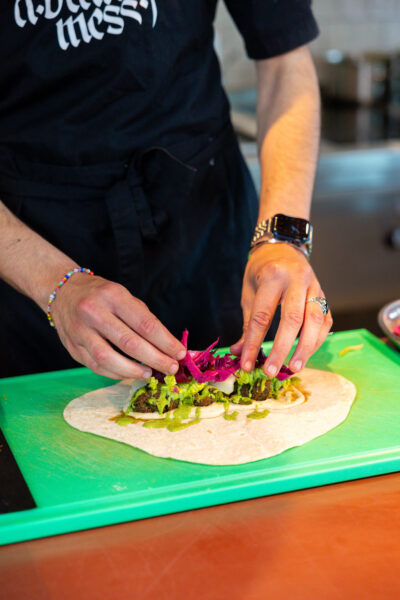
(354, 26)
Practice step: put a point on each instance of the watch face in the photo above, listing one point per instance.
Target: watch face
(292, 228)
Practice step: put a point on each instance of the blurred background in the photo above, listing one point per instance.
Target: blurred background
(356, 204)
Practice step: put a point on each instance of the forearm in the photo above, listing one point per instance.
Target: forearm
(28, 262)
(99, 322)
(288, 118)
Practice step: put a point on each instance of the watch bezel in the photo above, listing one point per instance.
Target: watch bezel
(277, 225)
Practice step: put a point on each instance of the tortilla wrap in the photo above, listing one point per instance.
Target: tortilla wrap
(216, 441)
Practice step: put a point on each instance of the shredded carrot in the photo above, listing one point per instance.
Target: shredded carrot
(350, 349)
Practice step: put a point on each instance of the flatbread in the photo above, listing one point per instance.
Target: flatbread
(218, 441)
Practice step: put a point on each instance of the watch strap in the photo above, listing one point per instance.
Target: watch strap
(270, 239)
(260, 229)
(264, 231)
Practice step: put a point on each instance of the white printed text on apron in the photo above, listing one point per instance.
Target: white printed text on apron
(88, 19)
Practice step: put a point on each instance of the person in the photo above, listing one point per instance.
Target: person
(117, 157)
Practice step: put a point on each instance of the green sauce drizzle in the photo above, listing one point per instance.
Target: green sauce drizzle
(155, 423)
(258, 414)
(231, 416)
(174, 422)
(177, 425)
(124, 420)
(182, 412)
(235, 399)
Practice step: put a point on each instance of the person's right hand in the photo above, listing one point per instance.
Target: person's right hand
(90, 312)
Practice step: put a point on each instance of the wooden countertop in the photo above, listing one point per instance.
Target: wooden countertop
(334, 542)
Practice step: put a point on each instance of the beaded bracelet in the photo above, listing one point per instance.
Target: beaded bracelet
(60, 284)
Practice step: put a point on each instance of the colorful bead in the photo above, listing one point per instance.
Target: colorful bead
(60, 284)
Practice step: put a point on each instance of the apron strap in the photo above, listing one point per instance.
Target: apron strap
(135, 213)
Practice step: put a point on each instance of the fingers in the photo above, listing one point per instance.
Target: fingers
(90, 312)
(314, 319)
(292, 315)
(325, 329)
(262, 312)
(237, 348)
(98, 356)
(138, 317)
(82, 356)
(135, 346)
(279, 275)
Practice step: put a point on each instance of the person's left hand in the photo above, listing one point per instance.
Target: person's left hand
(280, 274)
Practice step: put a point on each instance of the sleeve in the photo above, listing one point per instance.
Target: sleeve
(273, 27)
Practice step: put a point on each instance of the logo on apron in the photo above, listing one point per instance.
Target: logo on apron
(88, 19)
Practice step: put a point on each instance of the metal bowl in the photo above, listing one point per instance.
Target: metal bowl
(388, 319)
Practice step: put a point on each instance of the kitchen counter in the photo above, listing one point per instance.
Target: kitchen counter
(338, 541)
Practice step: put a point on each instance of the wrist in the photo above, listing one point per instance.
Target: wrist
(40, 290)
(278, 244)
(52, 297)
(299, 212)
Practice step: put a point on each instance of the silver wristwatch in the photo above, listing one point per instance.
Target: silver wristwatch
(283, 228)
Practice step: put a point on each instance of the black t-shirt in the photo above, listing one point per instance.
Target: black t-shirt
(89, 81)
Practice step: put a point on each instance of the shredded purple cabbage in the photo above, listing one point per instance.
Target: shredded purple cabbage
(204, 366)
(284, 373)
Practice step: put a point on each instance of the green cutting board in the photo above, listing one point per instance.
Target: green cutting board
(79, 480)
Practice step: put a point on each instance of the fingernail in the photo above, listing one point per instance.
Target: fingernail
(272, 370)
(181, 355)
(147, 374)
(173, 369)
(297, 365)
(247, 366)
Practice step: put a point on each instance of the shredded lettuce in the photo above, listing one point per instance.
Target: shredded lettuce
(249, 378)
(152, 383)
(277, 387)
(257, 376)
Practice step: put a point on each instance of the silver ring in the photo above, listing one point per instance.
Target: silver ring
(323, 303)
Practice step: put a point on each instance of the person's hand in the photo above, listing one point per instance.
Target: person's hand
(280, 274)
(91, 313)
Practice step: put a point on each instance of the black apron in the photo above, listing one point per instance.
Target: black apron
(172, 225)
(116, 147)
